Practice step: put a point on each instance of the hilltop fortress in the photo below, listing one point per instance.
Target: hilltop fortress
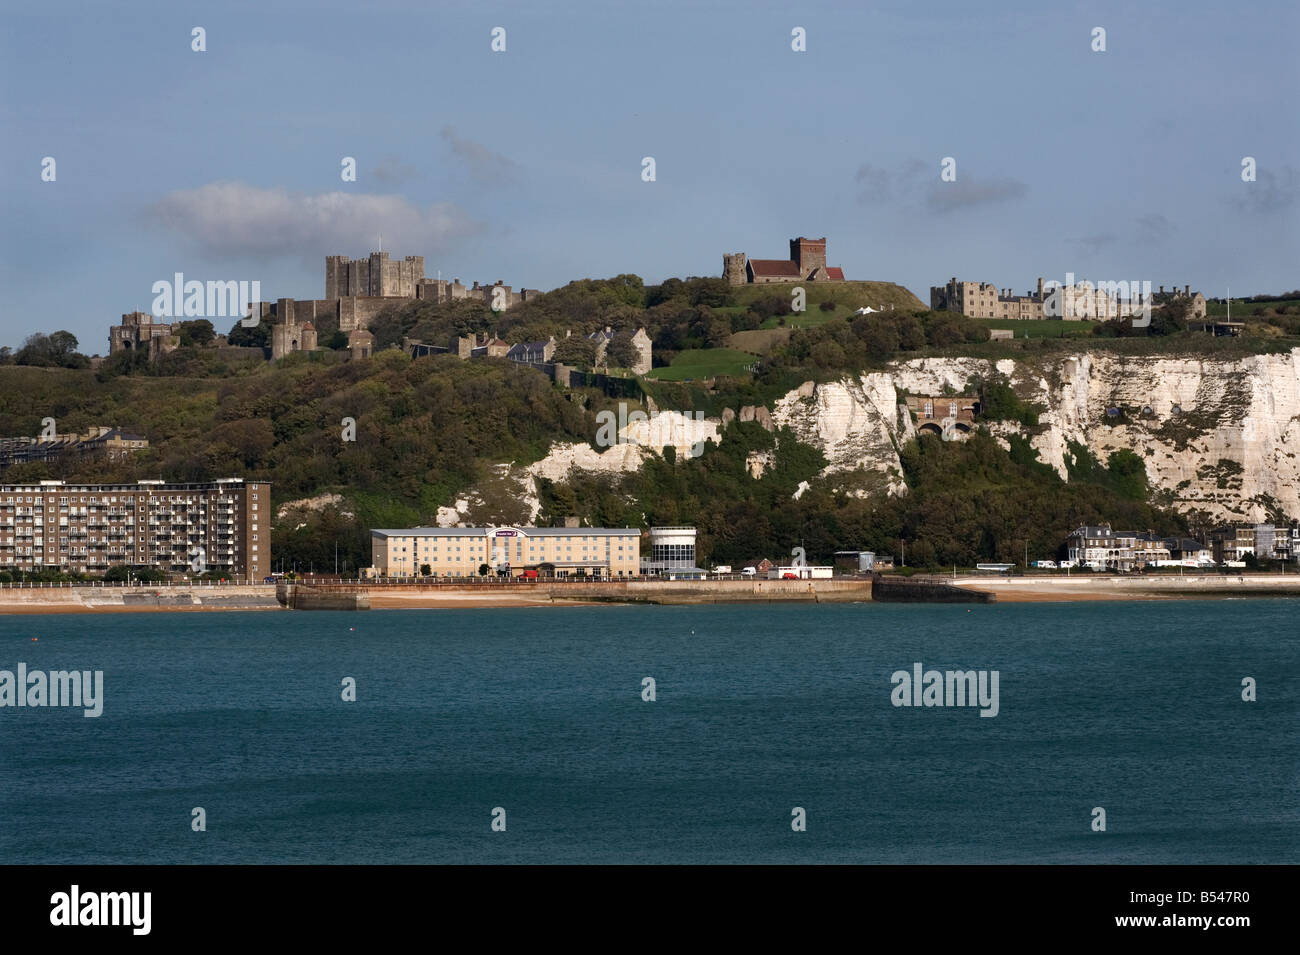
(807, 263)
(356, 290)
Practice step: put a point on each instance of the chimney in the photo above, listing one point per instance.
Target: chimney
(1162, 290)
(1040, 286)
(1187, 290)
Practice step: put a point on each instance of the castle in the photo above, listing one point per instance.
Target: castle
(139, 332)
(358, 290)
(355, 292)
(1100, 302)
(807, 263)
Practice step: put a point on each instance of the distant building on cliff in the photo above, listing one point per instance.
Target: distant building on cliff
(807, 263)
(1101, 301)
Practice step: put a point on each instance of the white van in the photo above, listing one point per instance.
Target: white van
(749, 571)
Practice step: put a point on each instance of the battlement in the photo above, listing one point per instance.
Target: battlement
(377, 276)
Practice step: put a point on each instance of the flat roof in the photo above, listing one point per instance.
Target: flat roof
(142, 486)
(485, 531)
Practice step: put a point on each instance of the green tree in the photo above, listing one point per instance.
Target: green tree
(575, 350)
(258, 336)
(621, 352)
(197, 332)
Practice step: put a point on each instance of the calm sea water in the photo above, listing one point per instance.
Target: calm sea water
(1134, 707)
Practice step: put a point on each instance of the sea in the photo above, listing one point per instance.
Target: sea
(647, 734)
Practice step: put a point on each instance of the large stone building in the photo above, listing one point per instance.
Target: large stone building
(356, 291)
(223, 526)
(1075, 302)
(511, 551)
(807, 263)
(640, 344)
(1101, 548)
(376, 276)
(140, 332)
(289, 336)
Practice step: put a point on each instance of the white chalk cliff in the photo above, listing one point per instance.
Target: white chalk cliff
(1220, 437)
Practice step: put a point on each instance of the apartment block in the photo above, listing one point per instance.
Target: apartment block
(223, 525)
(509, 551)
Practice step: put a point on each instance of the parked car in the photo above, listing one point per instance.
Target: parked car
(789, 576)
(750, 571)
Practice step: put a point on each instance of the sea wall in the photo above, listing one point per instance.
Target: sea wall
(925, 590)
(82, 599)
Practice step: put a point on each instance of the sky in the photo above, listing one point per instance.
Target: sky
(526, 164)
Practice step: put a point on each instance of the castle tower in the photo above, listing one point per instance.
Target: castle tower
(382, 273)
(335, 273)
(733, 268)
(808, 254)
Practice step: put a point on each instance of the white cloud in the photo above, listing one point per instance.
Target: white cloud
(236, 220)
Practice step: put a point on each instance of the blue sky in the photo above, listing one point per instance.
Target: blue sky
(525, 165)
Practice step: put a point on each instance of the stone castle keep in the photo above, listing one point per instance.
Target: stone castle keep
(355, 292)
(358, 290)
(807, 263)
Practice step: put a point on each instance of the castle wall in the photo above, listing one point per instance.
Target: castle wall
(358, 311)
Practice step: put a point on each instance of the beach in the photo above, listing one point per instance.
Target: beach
(426, 596)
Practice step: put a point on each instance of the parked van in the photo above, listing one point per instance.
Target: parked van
(749, 571)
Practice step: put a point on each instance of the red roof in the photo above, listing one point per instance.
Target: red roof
(775, 267)
(836, 274)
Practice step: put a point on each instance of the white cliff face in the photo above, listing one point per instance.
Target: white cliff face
(1220, 437)
(484, 503)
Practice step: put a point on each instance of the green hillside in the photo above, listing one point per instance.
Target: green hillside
(432, 430)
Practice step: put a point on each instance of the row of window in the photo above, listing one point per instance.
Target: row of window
(126, 499)
(418, 538)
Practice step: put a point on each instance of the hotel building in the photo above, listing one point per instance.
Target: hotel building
(88, 528)
(513, 551)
